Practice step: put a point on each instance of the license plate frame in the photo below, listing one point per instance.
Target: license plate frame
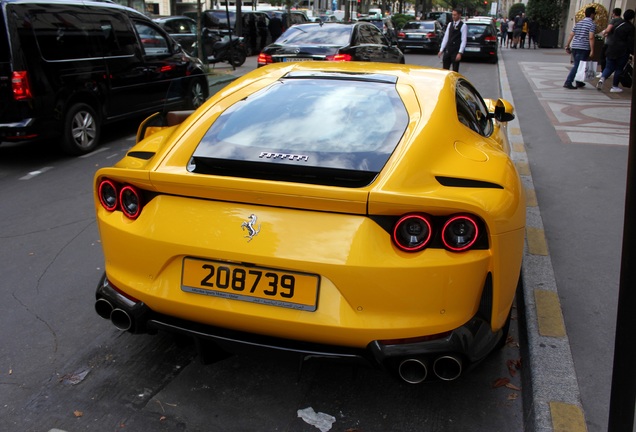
(253, 284)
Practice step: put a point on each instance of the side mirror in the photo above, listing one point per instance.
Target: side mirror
(503, 110)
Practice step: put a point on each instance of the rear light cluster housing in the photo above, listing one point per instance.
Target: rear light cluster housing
(115, 196)
(417, 231)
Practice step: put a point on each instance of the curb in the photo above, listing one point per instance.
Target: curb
(551, 398)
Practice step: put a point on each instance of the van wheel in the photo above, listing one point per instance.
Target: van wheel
(81, 130)
(197, 93)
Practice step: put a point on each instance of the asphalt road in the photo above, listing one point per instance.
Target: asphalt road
(63, 367)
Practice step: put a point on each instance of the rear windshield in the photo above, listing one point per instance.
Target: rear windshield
(420, 25)
(305, 128)
(4, 39)
(328, 34)
(477, 29)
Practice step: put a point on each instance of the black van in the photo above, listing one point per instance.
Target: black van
(69, 67)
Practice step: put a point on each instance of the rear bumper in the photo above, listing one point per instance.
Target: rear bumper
(466, 345)
(417, 44)
(19, 131)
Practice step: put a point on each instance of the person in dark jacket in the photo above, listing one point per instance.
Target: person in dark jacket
(275, 27)
(454, 42)
(618, 51)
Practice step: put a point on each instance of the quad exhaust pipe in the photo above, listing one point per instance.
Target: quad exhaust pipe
(415, 370)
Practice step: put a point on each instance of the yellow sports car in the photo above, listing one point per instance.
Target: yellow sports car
(354, 210)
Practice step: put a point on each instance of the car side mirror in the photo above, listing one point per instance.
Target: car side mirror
(503, 110)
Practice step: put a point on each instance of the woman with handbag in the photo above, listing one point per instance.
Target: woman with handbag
(618, 51)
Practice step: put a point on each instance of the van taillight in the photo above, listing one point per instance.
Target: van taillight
(20, 84)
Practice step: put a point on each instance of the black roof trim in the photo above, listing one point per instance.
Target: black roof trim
(350, 76)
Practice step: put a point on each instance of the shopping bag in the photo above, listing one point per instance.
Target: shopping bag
(626, 76)
(586, 71)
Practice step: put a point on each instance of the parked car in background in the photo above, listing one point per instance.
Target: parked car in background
(360, 41)
(183, 30)
(481, 41)
(420, 35)
(295, 17)
(443, 17)
(384, 24)
(216, 46)
(345, 210)
(69, 67)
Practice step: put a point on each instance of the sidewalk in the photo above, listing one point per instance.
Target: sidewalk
(598, 119)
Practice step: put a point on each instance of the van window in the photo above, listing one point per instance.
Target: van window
(63, 32)
(118, 35)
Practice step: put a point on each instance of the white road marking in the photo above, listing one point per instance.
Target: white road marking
(36, 173)
(100, 150)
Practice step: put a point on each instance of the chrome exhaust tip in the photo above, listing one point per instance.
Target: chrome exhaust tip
(121, 319)
(447, 368)
(103, 308)
(412, 370)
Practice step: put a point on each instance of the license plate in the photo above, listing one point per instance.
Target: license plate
(415, 36)
(296, 59)
(262, 285)
(473, 49)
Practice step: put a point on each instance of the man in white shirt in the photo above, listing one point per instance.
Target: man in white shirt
(454, 42)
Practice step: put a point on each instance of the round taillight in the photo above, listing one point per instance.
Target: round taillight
(130, 200)
(108, 195)
(412, 232)
(460, 233)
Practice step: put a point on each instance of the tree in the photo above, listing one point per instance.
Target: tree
(518, 9)
(548, 13)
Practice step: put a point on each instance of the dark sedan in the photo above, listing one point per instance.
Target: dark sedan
(482, 41)
(183, 30)
(421, 35)
(360, 41)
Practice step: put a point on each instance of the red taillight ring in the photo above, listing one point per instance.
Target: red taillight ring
(471, 235)
(108, 196)
(130, 200)
(416, 240)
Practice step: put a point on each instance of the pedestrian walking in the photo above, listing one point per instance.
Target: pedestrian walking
(503, 32)
(607, 34)
(581, 45)
(511, 28)
(263, 32)
(618, 51)
(454, 42)
(516, 31)
(524, 31)
(275, 27)
(534, 32)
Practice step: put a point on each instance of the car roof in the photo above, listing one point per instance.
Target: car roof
(168, 18)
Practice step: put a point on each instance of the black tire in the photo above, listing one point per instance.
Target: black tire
(82, 128)
(237, 57)
(197, 93)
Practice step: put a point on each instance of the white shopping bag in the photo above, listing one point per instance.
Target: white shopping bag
(586, 71)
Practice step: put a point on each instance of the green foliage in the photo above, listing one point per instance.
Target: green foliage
(399, 20)
(517, 9)
(549, 13)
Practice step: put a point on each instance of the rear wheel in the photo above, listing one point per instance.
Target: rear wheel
(81, 130)
(197, 93)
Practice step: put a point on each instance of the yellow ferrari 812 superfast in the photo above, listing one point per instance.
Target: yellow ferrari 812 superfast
(361, 211)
